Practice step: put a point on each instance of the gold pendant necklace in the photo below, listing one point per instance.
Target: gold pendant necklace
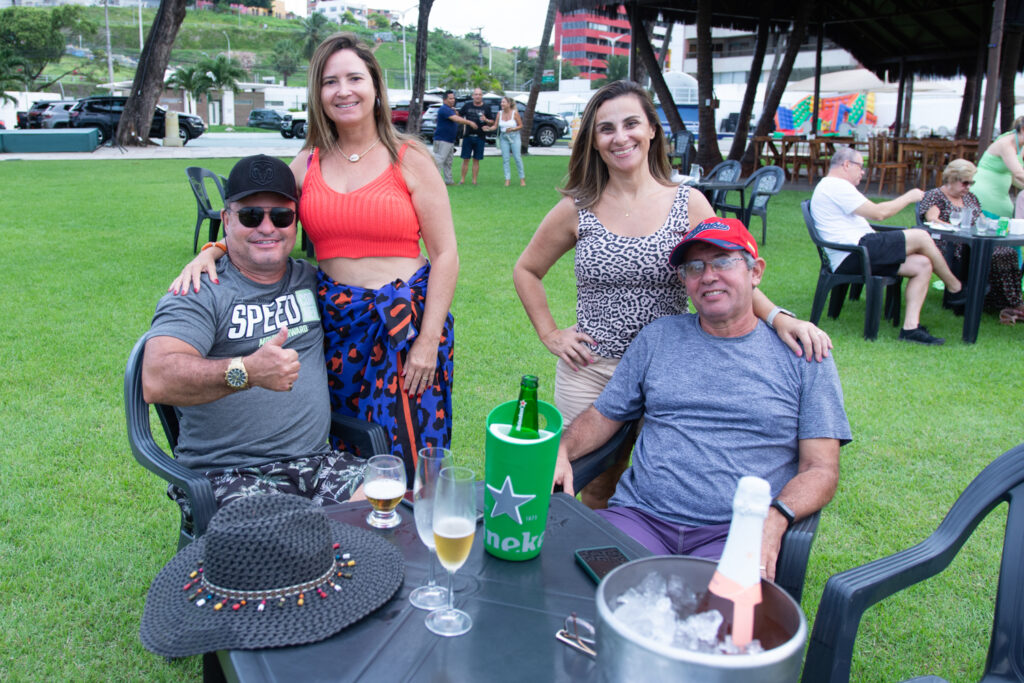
(353, 158)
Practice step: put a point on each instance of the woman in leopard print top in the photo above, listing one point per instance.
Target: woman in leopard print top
(623, 215)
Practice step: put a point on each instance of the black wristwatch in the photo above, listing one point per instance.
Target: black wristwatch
(785, 510)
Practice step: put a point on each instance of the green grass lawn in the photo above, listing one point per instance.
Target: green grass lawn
(90, 247)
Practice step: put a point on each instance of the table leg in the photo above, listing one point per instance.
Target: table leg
(977, 277)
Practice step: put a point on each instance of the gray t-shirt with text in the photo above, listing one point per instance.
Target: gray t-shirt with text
(234, 318)
(715, 409)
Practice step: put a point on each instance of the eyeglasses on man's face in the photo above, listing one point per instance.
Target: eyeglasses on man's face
(252, 216)
(718, 265)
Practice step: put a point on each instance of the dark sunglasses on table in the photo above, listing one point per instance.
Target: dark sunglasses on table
(252, 216)
(719, 265)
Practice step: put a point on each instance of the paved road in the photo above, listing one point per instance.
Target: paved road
(219, 145)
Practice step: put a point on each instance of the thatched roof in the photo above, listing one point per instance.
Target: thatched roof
(932, 37)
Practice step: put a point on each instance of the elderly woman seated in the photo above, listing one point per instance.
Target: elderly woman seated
(1005, 276)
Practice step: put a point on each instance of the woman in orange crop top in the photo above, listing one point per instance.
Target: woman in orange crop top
(367, 197)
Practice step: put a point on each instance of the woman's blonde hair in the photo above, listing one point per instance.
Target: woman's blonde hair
(320, 131)
(958, 169)
(588, 174)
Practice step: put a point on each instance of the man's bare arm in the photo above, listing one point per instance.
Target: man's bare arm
(584, 434)
(883, 210)
(175, 373)
(810, 490)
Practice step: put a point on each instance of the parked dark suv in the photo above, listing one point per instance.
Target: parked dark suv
(104, 112)
(265, 118)
(546, 127)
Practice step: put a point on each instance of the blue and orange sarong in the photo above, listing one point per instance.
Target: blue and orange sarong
(367, 336)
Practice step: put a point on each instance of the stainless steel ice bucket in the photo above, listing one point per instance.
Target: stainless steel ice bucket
(623, 656)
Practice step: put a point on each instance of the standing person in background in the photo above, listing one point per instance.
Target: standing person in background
(623, 216)
(509, 123)
(478, 115)
(367, 197)
(444, 136)
(1000, 166)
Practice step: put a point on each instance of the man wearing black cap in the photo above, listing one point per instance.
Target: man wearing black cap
(244, 362)
(721, 397)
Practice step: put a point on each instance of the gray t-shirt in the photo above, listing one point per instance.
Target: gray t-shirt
(234, 318)
(715, 409)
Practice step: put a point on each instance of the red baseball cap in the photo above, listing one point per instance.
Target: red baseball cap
(727, 233)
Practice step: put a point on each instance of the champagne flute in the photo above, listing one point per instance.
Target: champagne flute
(454, 526)
(384, 487)
(429, 464)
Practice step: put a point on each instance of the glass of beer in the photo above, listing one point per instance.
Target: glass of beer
(454, 526)
(384, 486)
(429, 463)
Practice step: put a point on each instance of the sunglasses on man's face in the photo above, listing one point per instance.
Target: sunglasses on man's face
(252, 216)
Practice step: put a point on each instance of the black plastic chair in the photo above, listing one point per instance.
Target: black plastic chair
(837, 284)
(791, 565)
(360, 437)
(761, 186)
(848, 594)
(204, 207)
(727, 171)
(682, 149)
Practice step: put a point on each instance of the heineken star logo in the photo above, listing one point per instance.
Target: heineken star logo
(507, 501)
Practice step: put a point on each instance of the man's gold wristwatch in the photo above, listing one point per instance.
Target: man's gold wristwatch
(236, 376)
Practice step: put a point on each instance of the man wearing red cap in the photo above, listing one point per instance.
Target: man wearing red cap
(721, 397)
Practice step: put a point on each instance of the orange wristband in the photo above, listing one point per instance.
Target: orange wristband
(220, 245)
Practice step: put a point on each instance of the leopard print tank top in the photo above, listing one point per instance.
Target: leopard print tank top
(623, 283)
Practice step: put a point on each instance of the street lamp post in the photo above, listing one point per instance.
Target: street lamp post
(405, 69)
(611, 45)
(229, 43)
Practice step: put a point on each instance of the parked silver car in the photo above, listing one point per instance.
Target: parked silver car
(56, 115)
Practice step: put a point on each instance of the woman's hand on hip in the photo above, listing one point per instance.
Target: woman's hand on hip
(571, 346)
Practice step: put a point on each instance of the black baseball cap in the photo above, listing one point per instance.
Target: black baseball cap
(260, 173)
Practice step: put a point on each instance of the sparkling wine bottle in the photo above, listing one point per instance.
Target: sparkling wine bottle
(735, 588)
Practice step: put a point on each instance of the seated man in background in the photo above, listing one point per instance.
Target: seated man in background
(841, 214)
(721, 397)
(244, 361)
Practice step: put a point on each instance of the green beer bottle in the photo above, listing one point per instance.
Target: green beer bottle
(524, 422)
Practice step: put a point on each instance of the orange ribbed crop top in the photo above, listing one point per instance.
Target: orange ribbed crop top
(378, 219)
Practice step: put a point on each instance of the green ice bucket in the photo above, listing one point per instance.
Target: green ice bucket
(518, 475)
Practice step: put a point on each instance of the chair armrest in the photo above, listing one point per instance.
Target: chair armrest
(791, 565)
(881, 227)
(146, 451)
(586, 468)
(364, 439)
(865, 260)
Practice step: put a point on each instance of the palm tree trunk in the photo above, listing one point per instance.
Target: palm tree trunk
(708, 154)
(771, 103)
(149, 75)
(420, 68)
(538, 73)
(1008, 70)
(739, 141)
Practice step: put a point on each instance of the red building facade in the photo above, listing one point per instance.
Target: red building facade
(586, 38)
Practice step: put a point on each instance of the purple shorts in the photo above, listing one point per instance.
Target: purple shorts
(666, 538)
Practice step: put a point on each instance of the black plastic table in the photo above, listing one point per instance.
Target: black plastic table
(980, 248)
(516, 608)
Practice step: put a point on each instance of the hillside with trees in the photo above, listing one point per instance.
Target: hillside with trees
(63, 49)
